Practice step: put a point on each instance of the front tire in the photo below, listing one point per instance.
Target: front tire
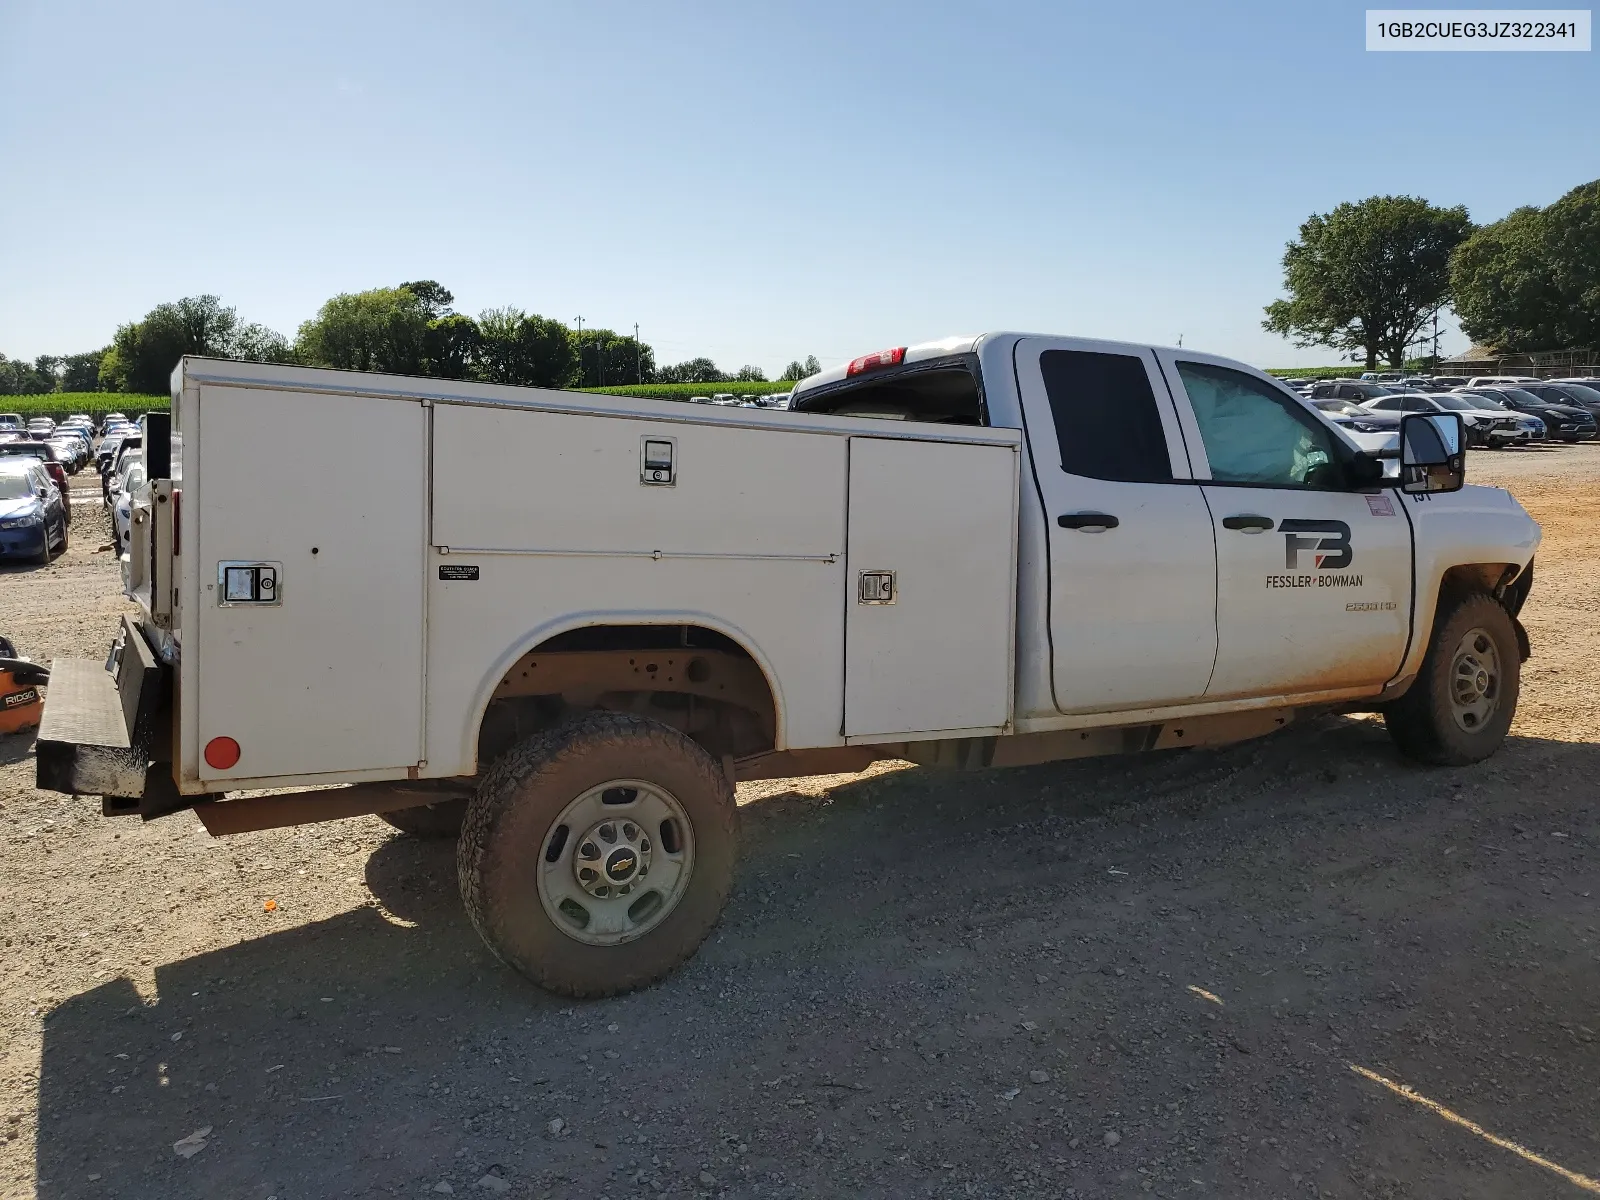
(1461, 705)
(597, 856)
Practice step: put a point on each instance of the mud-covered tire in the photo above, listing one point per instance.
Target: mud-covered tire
(435, 821)
(509, 831)
(1424, 722)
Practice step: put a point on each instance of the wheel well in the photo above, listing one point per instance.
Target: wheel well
(1477, 577)
(696, 680)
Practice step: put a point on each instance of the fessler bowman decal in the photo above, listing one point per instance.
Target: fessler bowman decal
(1333, 552)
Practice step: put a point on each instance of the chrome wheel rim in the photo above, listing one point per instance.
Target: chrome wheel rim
(1475, 680)
(616, 862)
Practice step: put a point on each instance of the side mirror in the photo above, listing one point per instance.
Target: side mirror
(1432, 452)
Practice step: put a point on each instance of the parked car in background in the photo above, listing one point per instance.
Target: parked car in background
(10, 421)
(1567, 422)
(46, 454)
(1376, 433)
(110, 444)
(1530, 428)
(1483, 428)
(1499, 380)
(1353, 390)
(1577, 395)
(128, 485)
(1450, 381)
(111, 419)
(33, 512)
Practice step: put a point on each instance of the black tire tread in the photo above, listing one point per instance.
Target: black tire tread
(592, 734)
(1419, 722)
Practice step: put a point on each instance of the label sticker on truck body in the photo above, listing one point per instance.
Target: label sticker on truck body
(452, 571)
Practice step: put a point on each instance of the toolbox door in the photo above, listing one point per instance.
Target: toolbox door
(312, 515)
(931, 575)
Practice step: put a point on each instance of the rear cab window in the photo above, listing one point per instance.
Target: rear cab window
(942, 391)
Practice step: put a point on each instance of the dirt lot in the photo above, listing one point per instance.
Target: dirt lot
(1177, 975)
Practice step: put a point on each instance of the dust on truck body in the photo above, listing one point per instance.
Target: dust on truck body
(565, 625)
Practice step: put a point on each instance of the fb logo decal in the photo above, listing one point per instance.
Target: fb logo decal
(1332, 550)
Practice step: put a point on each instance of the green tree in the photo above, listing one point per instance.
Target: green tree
(256, 343)
(696, 370)
(81, 372)
(21, 378)
(1531, 280)
(384, 329)
(749, 374)
(612, 359)
(144, 353)
(798, 370)
(1368, 275)
(434, 297)
(525, 349)
(451, 346)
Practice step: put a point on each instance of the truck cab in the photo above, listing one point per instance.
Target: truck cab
(565, 626)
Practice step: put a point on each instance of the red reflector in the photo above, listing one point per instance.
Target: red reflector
(871, 362)
(222, 753)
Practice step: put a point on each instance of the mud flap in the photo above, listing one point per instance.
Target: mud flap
(1524, 647)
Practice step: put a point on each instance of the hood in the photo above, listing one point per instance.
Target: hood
(25, 506)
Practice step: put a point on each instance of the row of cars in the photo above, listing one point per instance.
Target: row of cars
(1496, 410)
(37, 459)
(728, 400)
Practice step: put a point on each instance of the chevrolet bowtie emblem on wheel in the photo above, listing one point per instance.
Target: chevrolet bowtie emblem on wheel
(1333, 551)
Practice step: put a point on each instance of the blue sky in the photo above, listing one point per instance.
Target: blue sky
(755, 182)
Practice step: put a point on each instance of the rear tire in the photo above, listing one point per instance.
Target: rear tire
(434, 821)
(1461, 705)
(563, 836)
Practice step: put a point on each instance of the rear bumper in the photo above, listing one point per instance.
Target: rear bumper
(107, 730)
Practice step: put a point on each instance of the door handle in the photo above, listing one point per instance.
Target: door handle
(1089, 522)
(1248, 522)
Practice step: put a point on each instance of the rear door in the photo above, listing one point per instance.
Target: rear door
(1313, 578)
(1132, 560)
(310, 616)
(932, 574)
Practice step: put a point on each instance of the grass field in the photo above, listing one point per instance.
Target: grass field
(61, 405)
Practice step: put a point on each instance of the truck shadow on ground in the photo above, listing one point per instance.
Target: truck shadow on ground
(925, 980)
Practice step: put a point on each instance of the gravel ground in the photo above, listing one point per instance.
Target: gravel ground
(1173, 975)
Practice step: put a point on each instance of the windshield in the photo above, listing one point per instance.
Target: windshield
(1456, 402)
(1520, 395)
(1484, 402)
(1581, 391)
(15, 485)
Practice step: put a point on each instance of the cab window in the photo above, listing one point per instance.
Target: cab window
(1254, 434)
(1106, 420)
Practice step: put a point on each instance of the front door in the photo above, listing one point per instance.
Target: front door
(1132, 565)
(1313, 577)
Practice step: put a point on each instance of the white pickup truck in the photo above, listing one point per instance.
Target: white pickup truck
(565, 625)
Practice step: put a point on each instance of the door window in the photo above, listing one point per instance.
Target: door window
(1254, 434)
(1107, 424)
